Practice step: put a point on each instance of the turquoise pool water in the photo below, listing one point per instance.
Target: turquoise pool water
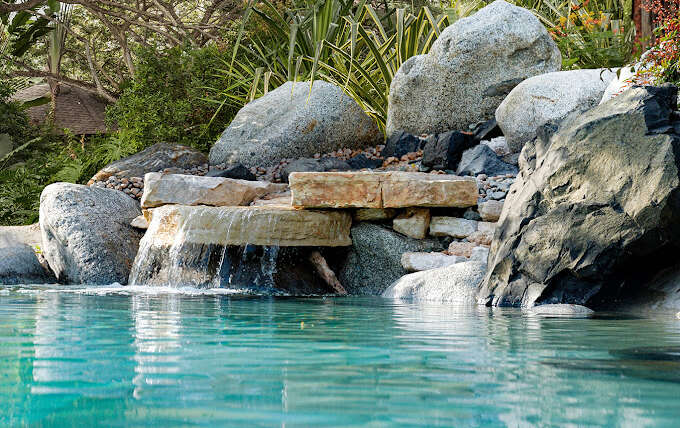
(104, 358)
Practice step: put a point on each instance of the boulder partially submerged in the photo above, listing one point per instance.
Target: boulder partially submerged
(595, 212)
(86, 233)
(456, 284)
(20, 265)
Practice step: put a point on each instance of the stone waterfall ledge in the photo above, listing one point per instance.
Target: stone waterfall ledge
(394, 189)
(256, 225)
(166, 189)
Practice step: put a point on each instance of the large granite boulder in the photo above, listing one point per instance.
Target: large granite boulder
(86, 233)
(294, 122)
(158, 157)
(600, 213)
(470, 69)
(374, 261)
(456, 284)
(549, 97)
(20, 265)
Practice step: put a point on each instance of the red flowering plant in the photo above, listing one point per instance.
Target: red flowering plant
(662, 62)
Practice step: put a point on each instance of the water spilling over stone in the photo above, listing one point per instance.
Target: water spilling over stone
(210, 247)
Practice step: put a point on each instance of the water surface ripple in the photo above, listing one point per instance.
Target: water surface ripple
(105, 358)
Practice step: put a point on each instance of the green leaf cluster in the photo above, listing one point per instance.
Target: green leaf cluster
(347, 43)
(167, 99)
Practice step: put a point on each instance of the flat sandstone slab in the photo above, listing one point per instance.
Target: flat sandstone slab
(257, 225)
(394, 189)
(166, 189)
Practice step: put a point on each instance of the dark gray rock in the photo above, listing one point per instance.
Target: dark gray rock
(362, 162)
(482, 160)
(401, 143)
(236, 171)
(444, 151)
(20, 265)
(86, 233)
(156, 158)
(315, 165)
(374, 261)
(295, 121)
(487, 130)
(599, 215)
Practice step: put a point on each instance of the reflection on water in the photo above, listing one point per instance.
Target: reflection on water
(96, 358)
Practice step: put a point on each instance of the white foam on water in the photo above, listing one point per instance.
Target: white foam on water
(117, 289)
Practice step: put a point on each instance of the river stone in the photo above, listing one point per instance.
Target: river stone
(237, 171)
(549, 98)
(452, 226)
(413, 222)
(20, 265)
(374, 261)
(256, 225)
(490, 210)
(600, 213)
(292, 122)
(456, 284)
(482, 160)
(416, 262)
(395, 189)
(164, 189)
(156, 158)
(471, 68)
(86, 233)
(561, 310)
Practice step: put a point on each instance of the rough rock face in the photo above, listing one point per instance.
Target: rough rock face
(156, 158)
(86, 233)
(20, 265)
(291, 122)
(599, 214)
(395, 189)
(482, 160)
(456, 284)
(444, 151)
(374, 261)
(470, 69)
(163, 189)
(549, 97)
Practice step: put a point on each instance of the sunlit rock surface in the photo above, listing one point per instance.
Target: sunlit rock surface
(165, 189)
(381, 190)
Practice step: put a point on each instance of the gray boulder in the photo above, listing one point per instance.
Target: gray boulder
(561, 310)
(86, 233)
(158, 157)
(470, 69)
(20, 265)
(549, 97)
(292, 122)
(456, 284)
(600, 213)
(374, 261)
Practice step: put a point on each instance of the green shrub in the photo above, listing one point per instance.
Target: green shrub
(166, 101)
